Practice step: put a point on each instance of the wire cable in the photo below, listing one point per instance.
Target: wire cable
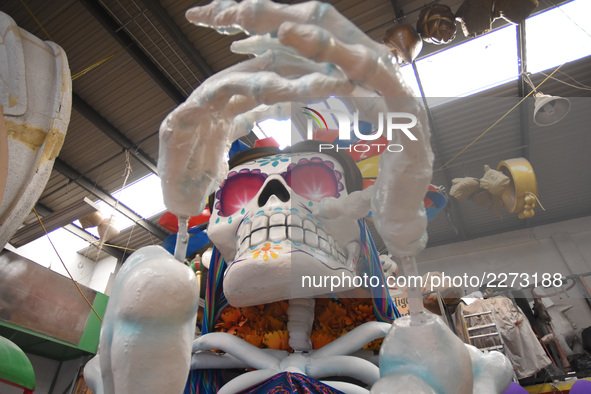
(501, 118)
(66, 268)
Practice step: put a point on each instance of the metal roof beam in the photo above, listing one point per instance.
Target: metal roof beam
(523, 90)
(178, 36)
(112, 132)
(90, 186)
(114, 29)
(397, 10)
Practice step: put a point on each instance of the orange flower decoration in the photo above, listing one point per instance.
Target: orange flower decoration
(254, 338)
(252, 314)
(269, 323)
(266, 251)
(277, 309)
(334, 317)
(278, 340)
(319, 339)
(230, 317)
(266, 325)
(363, 313)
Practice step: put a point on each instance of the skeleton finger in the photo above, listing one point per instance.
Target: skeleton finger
(264, 16)
(207, 13)
(283, 60)
(354, 367)
(188, 172)
(268, 88)
(372, 67)
(257, 45)
(353, 340)
(242, 350)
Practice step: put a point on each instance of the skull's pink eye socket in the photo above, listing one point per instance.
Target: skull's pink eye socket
(313, 180)
(237, 191)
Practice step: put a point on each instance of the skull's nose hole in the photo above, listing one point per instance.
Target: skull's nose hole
(273, 188)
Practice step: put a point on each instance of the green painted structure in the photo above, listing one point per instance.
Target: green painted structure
(15, 366)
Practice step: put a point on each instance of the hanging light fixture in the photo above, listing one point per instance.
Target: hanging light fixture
(548, 110)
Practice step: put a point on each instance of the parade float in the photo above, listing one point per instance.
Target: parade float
(278, 217)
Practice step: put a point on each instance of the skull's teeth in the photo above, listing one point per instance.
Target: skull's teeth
(260, 222)
(277, 233)
(277, 219)
(259, 236)
(324, 245)
(309, 225)
(295, 234)
(293, 220)
(310, 238)
(278, 227)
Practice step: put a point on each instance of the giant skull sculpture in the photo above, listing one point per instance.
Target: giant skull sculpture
(263, 223)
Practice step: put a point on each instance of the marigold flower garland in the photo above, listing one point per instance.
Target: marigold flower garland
(265, 326)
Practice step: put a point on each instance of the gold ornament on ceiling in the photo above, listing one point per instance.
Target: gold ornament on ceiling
(437, 24)
(514, 11)
(477, 16)
(404, 42)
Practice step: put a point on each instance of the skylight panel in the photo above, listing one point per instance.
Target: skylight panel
(280, 130)
(144, 197)
(41, 251)
(408, 75)
(557, 36)
(471, 67)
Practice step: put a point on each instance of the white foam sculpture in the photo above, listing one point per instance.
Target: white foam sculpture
(301, 50)
(36, 96)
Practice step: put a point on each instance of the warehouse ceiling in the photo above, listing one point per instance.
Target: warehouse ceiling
(134, 61)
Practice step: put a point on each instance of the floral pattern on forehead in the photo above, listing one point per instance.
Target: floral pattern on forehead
(274, 160)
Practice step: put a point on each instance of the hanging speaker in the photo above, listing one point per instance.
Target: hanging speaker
(549, 109)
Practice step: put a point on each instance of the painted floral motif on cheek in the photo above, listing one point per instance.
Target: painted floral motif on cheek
(265, 251)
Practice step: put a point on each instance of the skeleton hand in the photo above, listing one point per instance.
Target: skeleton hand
(305, 60)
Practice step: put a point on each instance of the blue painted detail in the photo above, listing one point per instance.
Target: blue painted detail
(237, 147)
(197, 239)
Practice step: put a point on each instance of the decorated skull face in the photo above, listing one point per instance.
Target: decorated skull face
(263, 224)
